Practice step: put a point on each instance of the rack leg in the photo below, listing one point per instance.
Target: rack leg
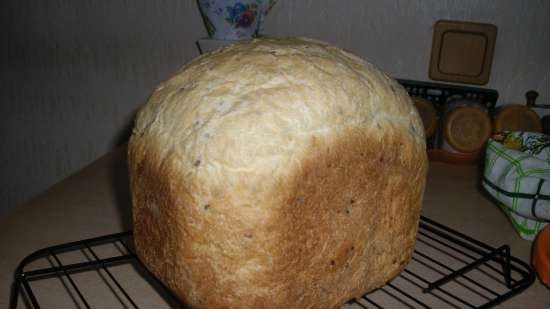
(14, 295)
(503, 251)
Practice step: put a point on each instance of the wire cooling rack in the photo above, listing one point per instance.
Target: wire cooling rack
(448, 270)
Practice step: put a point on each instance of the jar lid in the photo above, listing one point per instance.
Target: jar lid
(428, 114)
(515, 117)
(467, 128)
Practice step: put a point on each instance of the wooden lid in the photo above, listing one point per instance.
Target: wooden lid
(467, 128)
(428, 114)
(515, 117)
(462, 51)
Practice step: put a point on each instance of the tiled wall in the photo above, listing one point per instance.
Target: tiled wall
(73, 72)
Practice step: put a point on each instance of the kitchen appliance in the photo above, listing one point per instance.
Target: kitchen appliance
(448, 270)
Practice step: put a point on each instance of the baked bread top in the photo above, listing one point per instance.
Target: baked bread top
(248, 109)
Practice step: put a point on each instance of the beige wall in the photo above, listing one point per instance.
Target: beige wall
(73, 72)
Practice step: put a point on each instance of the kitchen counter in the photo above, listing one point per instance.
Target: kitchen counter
(95, 201)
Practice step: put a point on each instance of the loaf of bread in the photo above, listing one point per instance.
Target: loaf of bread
(276, 174)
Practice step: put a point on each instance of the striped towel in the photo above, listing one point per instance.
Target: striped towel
(517, 174)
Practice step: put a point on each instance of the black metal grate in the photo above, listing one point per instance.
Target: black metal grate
(440, 94)
(448, 270)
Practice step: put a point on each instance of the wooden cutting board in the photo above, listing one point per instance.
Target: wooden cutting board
(462, 51)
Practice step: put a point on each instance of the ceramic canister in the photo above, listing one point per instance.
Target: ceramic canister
(234, 19)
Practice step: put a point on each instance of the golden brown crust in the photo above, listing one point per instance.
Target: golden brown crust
(342, 225)
(350, 216)
(305, 211)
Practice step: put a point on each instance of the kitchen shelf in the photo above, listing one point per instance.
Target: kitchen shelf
(448, 270)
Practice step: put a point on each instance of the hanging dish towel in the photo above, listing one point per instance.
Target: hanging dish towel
(517, 174)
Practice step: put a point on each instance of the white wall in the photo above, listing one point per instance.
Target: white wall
(397, 35)
(73, 72)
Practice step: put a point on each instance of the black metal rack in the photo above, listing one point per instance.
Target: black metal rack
(448, 270)
(440, 94)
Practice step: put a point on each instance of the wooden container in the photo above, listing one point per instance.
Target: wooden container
(428, 114)
(516, 117)
(466, 128)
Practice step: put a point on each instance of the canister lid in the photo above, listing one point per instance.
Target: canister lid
(467, 128)
(515, 117)
(428, 114)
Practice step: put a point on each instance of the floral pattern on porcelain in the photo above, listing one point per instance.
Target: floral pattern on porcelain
(234, 19)
(241, 15)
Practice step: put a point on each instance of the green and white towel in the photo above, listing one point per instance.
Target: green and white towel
(517, 174)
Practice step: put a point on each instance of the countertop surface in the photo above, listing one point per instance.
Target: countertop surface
(95, 201)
